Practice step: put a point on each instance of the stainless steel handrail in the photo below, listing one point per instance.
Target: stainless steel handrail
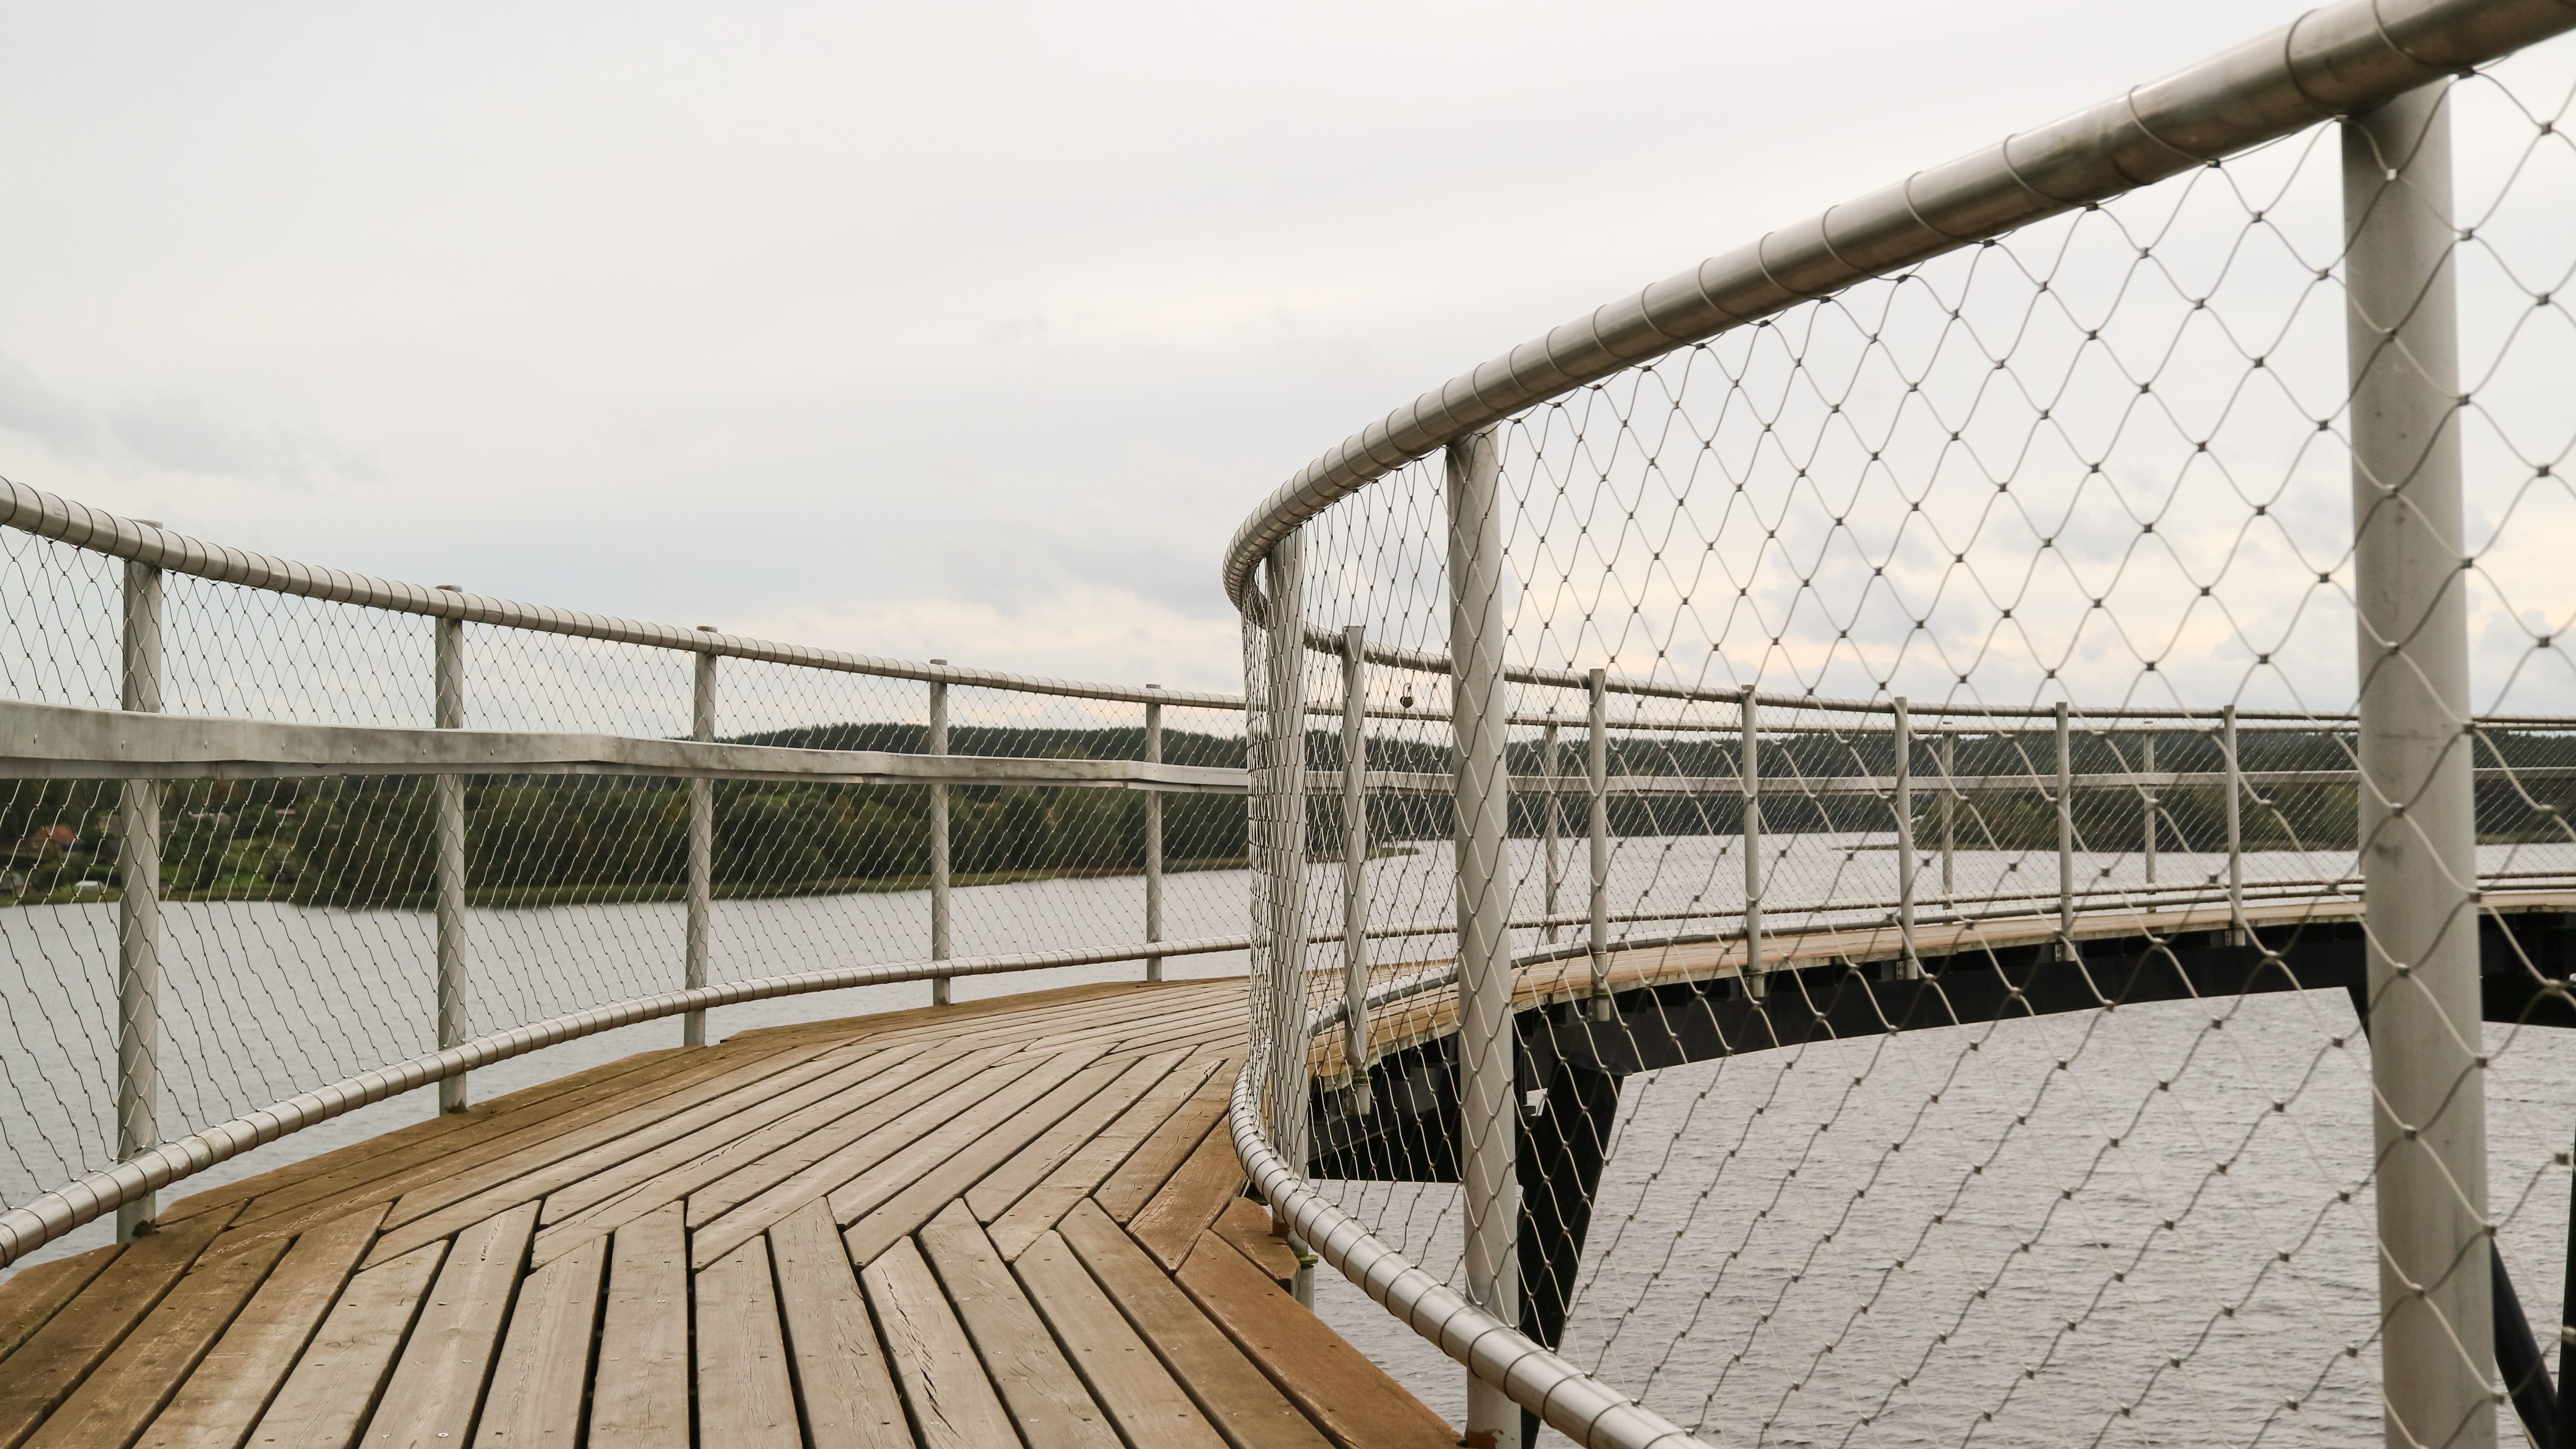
(64, 520)
(2333, 60)
(2345, 57)
(48, 515)
(51, 1215)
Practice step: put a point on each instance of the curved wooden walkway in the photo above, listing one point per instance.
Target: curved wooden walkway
(1012, 1221)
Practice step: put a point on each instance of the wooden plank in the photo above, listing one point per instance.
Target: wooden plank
(507, 1174)
(716, 1111)
(642, 1111)
(1352, 1399)
(743, 1394)
(943, 1018)
(308, 1205)
(1103, 1025)
(1181, 1022)
(1194, 1017)
(1041, 1206)
(1226, 1033)
(122, 1394)
(1237, 1397)
(219, 1403)
(404, 1145)
(640, 1395)
(869, 1148)
(749, 1101)
(438, 1381)
(953, 1403)
(831, 1078)
(82, 1333)
(326, 1398)
(304, 1204)
(903, 1192)
(30, 1300)
(1151, 1411)
(1012, 1020)
(785, 1163)
(1046, 1399)
(1145, 1170)
(842, 1376)
(545, 1359)
(1029, 1166)
(805, 1128)
(1246, 1225)
(638, 1129)
(1212, 1177)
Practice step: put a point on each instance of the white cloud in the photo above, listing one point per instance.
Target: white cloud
(970, 329)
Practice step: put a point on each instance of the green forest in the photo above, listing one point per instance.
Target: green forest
(541, 840)
(361, 841)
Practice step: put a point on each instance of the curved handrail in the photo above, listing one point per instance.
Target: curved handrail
(49, 515)
(2343, 57)
(1577, 1405)
(1426, 661)
(51, 1215)
(1573, 1402)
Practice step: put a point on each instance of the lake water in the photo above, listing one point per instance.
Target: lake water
(1743, 1268)
(2092, 1228)
(1786, 1245)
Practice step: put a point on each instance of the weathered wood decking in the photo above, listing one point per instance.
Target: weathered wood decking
(1008, 1221)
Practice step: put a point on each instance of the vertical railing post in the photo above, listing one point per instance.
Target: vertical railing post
(702, 844)
(1597, 788)
(2417, 806)
(1153, 840)
(1751, 761)
(1489, 1117)
(2236, 934)
(1553, 827)
(1949, 814)
(1910, 963)
(448, 713)
(936, 743)
(138, 911)
(1355, 853)
(2147, 806)
(2065, 837)
(1281, 841)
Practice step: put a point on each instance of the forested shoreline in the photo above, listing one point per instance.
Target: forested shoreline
(366, 842)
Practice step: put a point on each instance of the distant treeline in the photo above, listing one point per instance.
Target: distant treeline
(367, 842)
(357, 841)
(2314, 817)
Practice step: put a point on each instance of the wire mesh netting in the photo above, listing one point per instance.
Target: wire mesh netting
(1961, 1038)
(298, 944)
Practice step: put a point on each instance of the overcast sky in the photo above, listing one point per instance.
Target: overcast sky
(967, 330)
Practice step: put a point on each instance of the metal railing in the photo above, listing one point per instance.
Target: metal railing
(151, 751)
(49, 742)
(2420, 786)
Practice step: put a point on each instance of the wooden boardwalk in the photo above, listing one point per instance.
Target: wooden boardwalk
(1012, 1221)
